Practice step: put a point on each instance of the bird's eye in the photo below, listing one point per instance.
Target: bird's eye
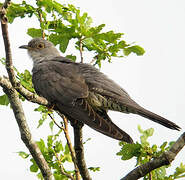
(40, 46)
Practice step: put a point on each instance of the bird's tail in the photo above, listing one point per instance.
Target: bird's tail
(158, 119)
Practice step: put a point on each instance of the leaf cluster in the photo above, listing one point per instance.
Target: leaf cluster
(56, 154)
(144, 152)
(62, 24)
(44, 111)
(24, 78)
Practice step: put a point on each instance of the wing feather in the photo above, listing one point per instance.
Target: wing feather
(59, 81)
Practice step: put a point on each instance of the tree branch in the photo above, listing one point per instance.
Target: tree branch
(4, 27)
(6, 4)
(32, 97)
(24, 129)
(165, 159)
(15, 101)
(79, 150)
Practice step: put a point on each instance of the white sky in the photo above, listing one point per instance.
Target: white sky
(155, 81)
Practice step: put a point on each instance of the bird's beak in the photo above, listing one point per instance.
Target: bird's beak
(24, 47)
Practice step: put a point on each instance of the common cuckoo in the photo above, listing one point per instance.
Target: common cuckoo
(81, 92)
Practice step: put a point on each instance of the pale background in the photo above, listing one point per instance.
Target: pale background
(155, 80)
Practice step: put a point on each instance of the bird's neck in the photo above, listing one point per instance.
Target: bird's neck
(37, 60)
(43, 56)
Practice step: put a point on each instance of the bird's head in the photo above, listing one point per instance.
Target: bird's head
(40, 49)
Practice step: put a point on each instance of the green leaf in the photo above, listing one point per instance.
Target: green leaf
(33, 32)
(162, 147)
(25, 80)
(109, 36)
(149, 132)
(61, 39)
(58, 7)
(129, 150)
(160, 173)
(139, 129)
(66, 149)
(4, 100)
(63, 44)
(50, 141)
(94, 169)
(146, 134)
(19, 10)
(95, 30)
(66, 157)
(51, 124)
(47, 4)
(39, 175)
(24, 155)
(58, 146)
(154, 148)
(72, 57)
(88, 22)
(55, 38)
(180, 171)
(33, 167)
(42, 109)
(41, 121)
(42, 146)
(44, 112)
(134, 49)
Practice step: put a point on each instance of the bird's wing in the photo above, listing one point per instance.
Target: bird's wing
(101, 84)
(59, 81)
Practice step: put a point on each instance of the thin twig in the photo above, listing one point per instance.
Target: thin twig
(66, 132)
(165, 159)
(150, 175)
(92, 61)
(40, 20)
(60, 127)
(81, 50)
(62, 168)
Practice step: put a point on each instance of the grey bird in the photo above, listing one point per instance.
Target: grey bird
(81, 92)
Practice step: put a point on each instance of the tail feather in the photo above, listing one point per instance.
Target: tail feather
(158, 119)
(115, 132)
